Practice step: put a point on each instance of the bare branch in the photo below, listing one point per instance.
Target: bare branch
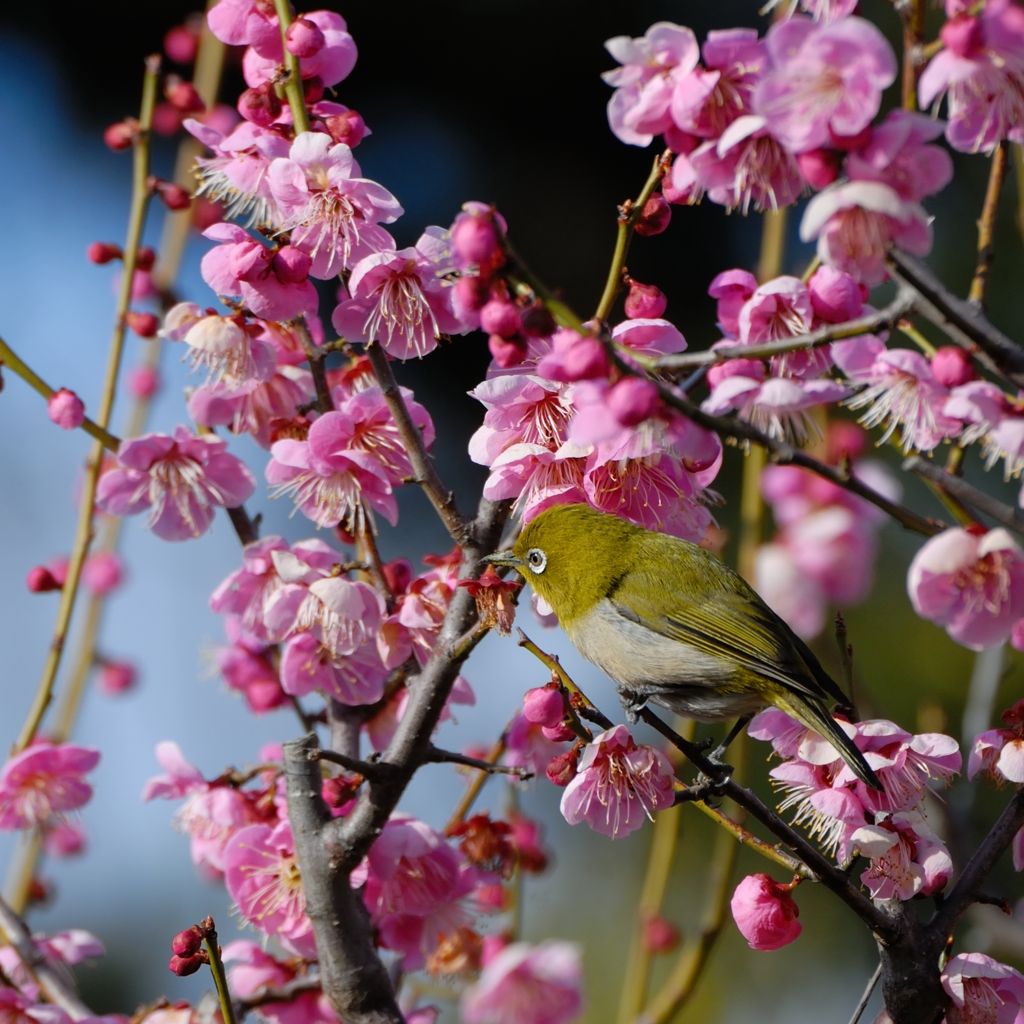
(285, 993)
(436, 756)
(374, 772)
(1002, 513)
(246, 527)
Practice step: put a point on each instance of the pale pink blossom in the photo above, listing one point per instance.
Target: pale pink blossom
(972, 585)
(639, 107)
(1000, 752)
(797, 598)
(617, 784)
(906, 856)
(731, 289)
(262, 877)
(403, 299)
(179, 479)
(983, 990)
(333, 62)
(537, 477)
(44, 781)
(331, 211)
(244, 23)
(526, 746)
(520, 408)
(826, 79)
(980, 71)
(526, 984)
(765, 912)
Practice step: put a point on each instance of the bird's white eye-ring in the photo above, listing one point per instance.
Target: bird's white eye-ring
(536, 560)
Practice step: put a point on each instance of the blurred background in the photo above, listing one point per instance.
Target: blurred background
(496, 100)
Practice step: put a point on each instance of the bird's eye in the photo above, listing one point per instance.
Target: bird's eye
(537, 560)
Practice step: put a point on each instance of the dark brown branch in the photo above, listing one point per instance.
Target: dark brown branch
(58, 989)
(316, 357)
(372, 771)
(246, 528)
(883, 319)
(412, 440)
(285, 993)
(987, 226)
(436, 756)
(959, 319)
(1002, 513)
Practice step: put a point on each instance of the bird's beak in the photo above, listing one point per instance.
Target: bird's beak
(506, 558)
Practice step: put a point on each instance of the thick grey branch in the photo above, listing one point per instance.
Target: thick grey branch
(1002, 513)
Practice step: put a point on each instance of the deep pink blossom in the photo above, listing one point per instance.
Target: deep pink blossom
(731, 289)
(982, 989)
(357, 677)
(906, 856)
(244, 23)
(247, 669)
(44, 781)
(617, 784)
(765, 912)
(980, 71)
(64, 839)
(826, 79)
(331, 63)
(972, 585)
(332, 212)
(179, 479)
(524, 984)
(252, 969)
(103, 572)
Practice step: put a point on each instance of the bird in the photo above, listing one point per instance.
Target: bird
(673, 625)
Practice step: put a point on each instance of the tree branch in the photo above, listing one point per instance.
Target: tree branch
(286, 993)
(1002, 513)
(437, 756)
(987, 226)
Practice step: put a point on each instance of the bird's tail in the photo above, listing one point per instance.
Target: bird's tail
(816, 717)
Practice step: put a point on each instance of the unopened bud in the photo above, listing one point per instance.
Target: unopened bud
(121, 135)
(645, 301)
(66, 409)
(538, 321)
(103, 252)
(181, 45)
(655, 217)
(499, 316)
(188, 942)
(167, 119)
(348, 128)
(145, 325)
(963, 35)
(183, 966)
(476, 239)
(544, 705)
(183, 96)
(558, 733)
(312, 90)
(102, 572)
(398, 575)
(507, 353)
(820, 167)
(174, 196)
(304, 38)
(561, 769)
(633, 400)
(261, 105)
(291, 265)
(117, 677)
(40, 580)
(659, 935)
(145, 258)
(471, 292)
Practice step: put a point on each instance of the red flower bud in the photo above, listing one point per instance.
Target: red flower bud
(262, 105)
(544, 705)
(174, 196)
(183, 966)
(145, 258)
(398, 575)
(820, 167)
(40, 580)
(506, 353)
(952, 366)
(103, 252)
(180, 44)
(499, 316)
(183, 96)
(561, 769)
(121, 135)
(655, 217)
(304, 38)
(188, 942)
(312, 90)
(659, 935)
(145, 325)
(645, 301)
(348, 128)
(471, 292)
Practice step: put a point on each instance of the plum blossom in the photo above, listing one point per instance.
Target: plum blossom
(402, 298)
(971, 584)
(179, 479)
(980, 70)
(906, 856)
(617, 784)
(252, 969)
(331, 63)
(332, 212)
(244, 23)
(765, 912)
(524, 984)
(1000, 752)
(44, 781)
(246, 669)
(826, 80)
(982, 990)
(528, 746)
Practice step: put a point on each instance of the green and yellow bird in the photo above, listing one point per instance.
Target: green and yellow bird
(671, 624)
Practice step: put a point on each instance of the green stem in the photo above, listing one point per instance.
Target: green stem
(83, 533)
(629, 214)
(293, 83)
(220, 978)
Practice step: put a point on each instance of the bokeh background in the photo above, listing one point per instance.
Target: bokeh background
(498, 100)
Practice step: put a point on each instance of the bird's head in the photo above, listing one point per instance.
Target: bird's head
(571, 555)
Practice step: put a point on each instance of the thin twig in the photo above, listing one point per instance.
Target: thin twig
(868, 989)
(987, 225)
(220, 978)
(374, 771)
(316, 357)
(268, 994)
(473, 789)
(912, 13)
(244, 525)
(437, 756)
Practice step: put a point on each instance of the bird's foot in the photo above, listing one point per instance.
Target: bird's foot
(632, 703)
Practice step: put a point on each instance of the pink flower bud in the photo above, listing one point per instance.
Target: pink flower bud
(59, 569)
(765, 912)
(143, 382)
(40, 580)
(122, 134)
(398, 575)
(262, 105)
(183, 96)
(188, 942)
(644, 301)
(471, 292)
(506, 353)
(173, 195)
(145, 325)
(167, 119)
(349, 128)
(103, 252)
(183, 966)
(291, 265)
(558, 733)
(145, 258)
(655, 217)
(845, 438)
(963, 35)
(544, 705)
(102, 572)
(180, 44)
(586, 360)
(499, 316)
(116, 677)
(835, 295)
(952, 366)
(659, 935)
(312, 90)
(66, 409)
(304, 38)
(561, 769)
(735, 368)
(64, 839)
(538, 321)
(476, 239)
(820, 167)
(633, 400)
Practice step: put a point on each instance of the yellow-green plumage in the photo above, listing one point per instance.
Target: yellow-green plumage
(673, 625)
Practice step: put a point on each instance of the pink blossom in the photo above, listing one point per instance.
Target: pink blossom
(116, 677)
(180, 479)
(982, 989)
(520, 408)
(537, 477)
(765, 912)
(797, 598)
(618, 782)
(180, 778)
(835, 295)
(252, 969)
(526, 984)
(332, 212)
(402, 298)
(639, 108)
(263, 879)
(244, 23)
(731, 289)
(979, 71)
(826, 79)
(1000, 752)
(357, 677)
(66, 409)
(247, 670)
(907, 857)
(780, 308)
(44, 781)
(64, 839)
(102, 572)
(333, 62)
(273, 285)
(971, 585)
(855, 222)
(526, 746)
